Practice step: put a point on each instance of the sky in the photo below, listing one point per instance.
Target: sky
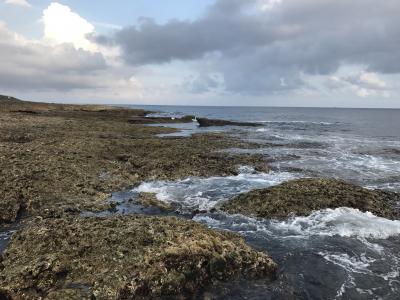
(323, 53)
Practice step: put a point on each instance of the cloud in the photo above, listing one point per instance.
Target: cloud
(30, 64)
(203, 83)
(108, 25)
(22, 3)
(363, 84)
(62, 25)
(372, 81)
(255, 43)
(63, 62)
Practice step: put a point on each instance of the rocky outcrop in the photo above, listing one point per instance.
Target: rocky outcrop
(204, 122)
(69, 158)
(303, 196)
(157, 120)
(135, 257)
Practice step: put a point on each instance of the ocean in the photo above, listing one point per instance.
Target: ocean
(331, 254)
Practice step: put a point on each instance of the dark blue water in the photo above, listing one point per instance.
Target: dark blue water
(359, 145)
(381, 123)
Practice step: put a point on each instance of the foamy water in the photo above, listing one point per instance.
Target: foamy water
(346, 252)
(338, 253)
(358, 251)
(205, 193)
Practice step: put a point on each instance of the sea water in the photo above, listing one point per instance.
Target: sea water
(338, 253)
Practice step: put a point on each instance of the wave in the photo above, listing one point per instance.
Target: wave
(205, 193)
(344, 222)
(298, 122)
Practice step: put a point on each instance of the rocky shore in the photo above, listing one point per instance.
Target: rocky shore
(60, 160)
(59, 163)
(134, 257)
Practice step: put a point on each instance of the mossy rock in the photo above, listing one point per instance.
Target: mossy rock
(303, 196)
(150, 200)
(58, 160)
(131, 257)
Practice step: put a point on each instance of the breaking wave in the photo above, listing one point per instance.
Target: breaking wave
(205, 193)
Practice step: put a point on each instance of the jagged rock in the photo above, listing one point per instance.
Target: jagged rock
(303, 196)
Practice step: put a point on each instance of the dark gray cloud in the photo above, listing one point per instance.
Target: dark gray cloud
(260, 51)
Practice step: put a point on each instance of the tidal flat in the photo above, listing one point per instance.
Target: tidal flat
(57, 161)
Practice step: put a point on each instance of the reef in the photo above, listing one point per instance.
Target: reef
(58, 159)
(58, 162)
(135, 257)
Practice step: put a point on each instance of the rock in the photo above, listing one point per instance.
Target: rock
(50, 162)
(156, 120)
(134, 257)
(150, 200)
(302, 197)
(204, 122)
(10, 209)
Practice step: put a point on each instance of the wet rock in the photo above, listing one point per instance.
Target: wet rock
(150, 200)
(303, 196)
(133, 257)
(10, 209)
(156, 120)
(204, 122)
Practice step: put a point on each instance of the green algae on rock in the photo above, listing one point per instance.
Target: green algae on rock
(135, 257)
(303, 196)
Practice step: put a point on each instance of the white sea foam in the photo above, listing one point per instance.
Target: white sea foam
(353, 264)
(299, 233)
(362, 265)
(297, 122)
(345, 222)
(205, 193)
(261, 130)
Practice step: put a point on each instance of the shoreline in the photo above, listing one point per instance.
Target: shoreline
(66, 161)
(76, 156)
(61, 160)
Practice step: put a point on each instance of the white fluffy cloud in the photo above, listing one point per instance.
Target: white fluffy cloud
(23, 3)
(62, 25)
(63, 62)
(32, 64)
